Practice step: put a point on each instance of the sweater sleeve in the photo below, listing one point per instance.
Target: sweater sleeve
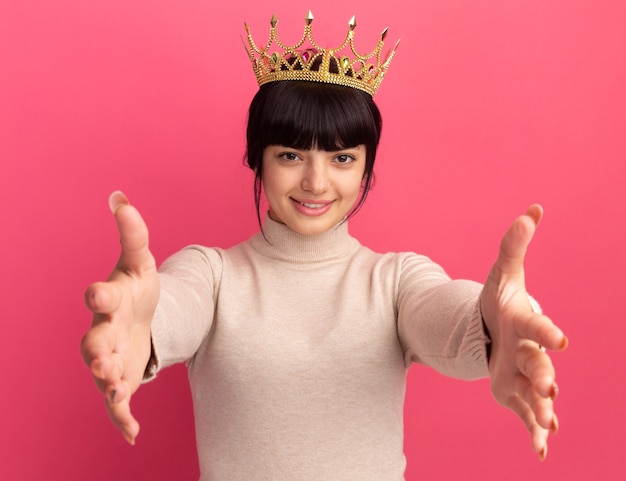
(439, 320)
(190, 281)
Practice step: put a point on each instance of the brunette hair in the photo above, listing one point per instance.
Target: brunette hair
(306, 115)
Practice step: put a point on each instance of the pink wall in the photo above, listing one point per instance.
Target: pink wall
(489, 106)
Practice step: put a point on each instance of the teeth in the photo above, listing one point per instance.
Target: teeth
(312, 206)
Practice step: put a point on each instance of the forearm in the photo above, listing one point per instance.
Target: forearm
(184, 313)
(442, 328)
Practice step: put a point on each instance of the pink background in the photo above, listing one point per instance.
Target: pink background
(489, 106)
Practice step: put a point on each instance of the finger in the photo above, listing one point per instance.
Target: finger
(515, 242)
(98, 351)
(102, 298)
(135, 256)
(538, 435)
(540, 329)
(117, 392)
(120, 414)
(116, 200)
(107, 379)
(541, 407)
(97, 343)
(535, 212)
(537, 366)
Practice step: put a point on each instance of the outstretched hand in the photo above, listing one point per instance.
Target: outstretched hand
(522, 374)
(117, 347)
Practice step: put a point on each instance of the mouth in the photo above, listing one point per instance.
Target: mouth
(312, 207)
(310, 204)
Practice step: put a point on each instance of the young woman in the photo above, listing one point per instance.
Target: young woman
(298, 340)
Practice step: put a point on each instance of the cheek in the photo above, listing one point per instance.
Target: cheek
(355, 185)
(268, 190)
(273, 185)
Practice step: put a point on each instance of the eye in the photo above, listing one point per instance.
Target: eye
(345, 159)
(289, 156)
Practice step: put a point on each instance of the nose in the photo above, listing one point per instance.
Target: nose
(315, 178)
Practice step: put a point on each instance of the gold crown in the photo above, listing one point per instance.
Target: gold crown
(306, 60)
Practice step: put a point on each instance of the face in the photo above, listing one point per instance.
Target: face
(312, 191)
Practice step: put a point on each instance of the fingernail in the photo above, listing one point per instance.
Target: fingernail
(129, 439)
(554, 392)
(554, 427)
(543, 453)
(91, 297)
(564, 343)
(116, 200)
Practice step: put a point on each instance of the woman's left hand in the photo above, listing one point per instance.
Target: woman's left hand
(522, 374)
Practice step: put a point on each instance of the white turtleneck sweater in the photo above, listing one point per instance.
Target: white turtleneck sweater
(297, 348)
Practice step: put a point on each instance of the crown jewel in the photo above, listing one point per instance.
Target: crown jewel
(306, 60)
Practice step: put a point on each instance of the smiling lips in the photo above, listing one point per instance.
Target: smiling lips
(312, 208)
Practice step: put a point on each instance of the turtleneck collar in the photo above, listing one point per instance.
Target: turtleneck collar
(282, 243)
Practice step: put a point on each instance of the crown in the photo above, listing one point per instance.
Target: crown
(306, 60)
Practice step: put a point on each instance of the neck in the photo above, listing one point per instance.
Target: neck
(280, 242)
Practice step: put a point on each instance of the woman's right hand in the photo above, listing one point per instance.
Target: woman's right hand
(117, 347)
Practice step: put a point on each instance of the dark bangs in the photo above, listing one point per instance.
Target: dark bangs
(304, 115)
